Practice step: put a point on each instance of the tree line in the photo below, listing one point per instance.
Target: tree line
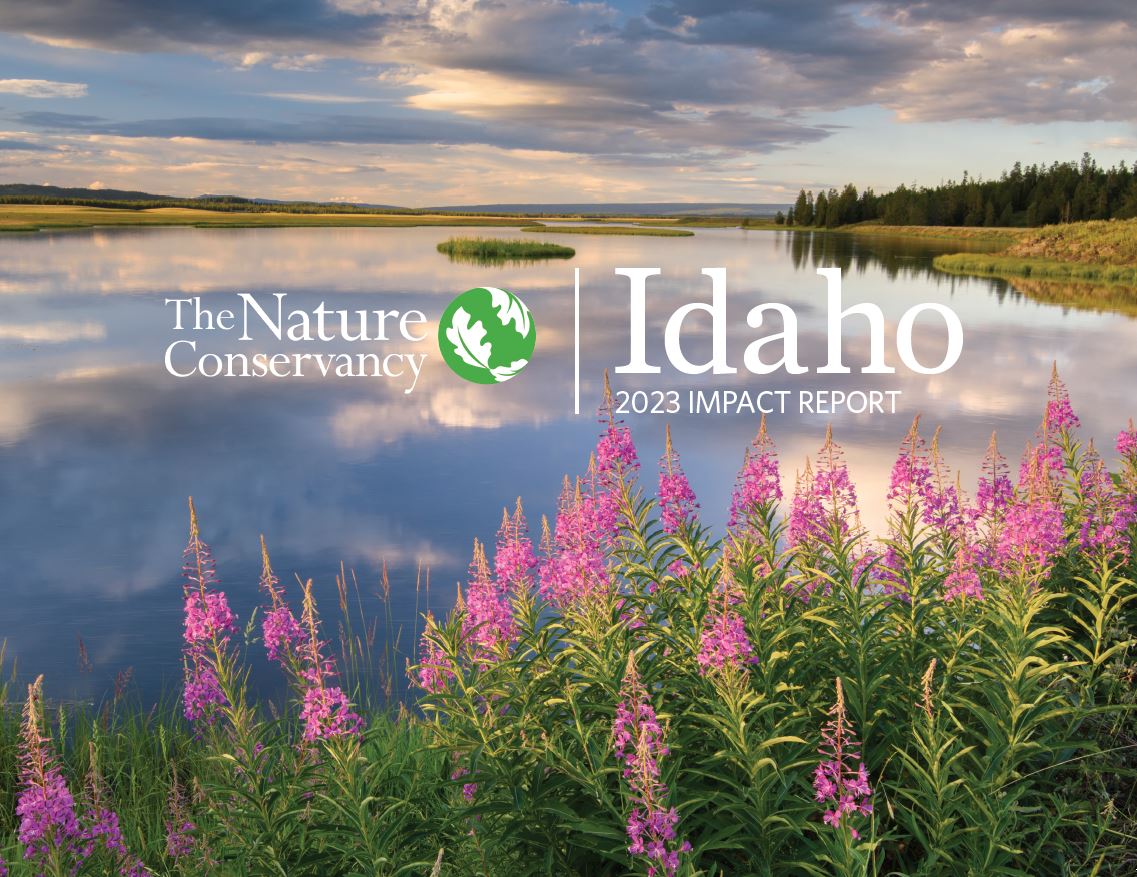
(1070, 191)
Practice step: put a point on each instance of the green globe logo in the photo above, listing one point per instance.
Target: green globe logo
(487, 335)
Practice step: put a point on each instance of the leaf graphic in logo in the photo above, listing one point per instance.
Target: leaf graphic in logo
(505, 372)
(510, 309)
(469, 340)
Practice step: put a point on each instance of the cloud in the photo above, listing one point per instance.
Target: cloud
(52, 332)
(42, 88)
(603, 132)
(317, 98)
(14, 145)
(148, 25)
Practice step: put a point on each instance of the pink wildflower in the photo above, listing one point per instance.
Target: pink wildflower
(723, 642)
(208, 625)
(677, 503)
(435, 669)
(1033, 531)
(837, 783)
(488, 624)
(1107, 514)
(280, 630)
(758, 485)
(638, 740)
(1127, 442)
(49, 828)
(911, 473)
(326, 710)
(575, 571)
(1059, 416)
(514, 562)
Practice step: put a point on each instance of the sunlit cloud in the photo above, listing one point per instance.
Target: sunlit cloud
(42, 88)
(55, 332)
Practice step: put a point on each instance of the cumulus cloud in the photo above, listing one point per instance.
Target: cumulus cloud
(43, 88)
(668, 84)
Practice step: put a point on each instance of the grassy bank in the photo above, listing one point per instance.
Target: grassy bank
(1090, 252)
(1003, 236)
(490, 250)
(1000, 265)
(30, 218)
(649, 231)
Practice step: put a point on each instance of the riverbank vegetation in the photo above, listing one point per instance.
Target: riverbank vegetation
(1097, 252)
(635, 694)
(1023, 196)
(31, 218)
(489, 251)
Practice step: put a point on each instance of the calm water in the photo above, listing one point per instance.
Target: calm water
(99, 446)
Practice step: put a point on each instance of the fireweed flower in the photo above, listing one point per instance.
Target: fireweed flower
(639, 744)
(435, 670)
(834, 489)
(757, 487)
(488, 624)
(677, 505)
(723, 642)
(179, 827)
(514, 561)
(208, 624)
(102, 830)
(995, 491)
(326, 709)
(615, 451)
(1107, 515)
(469, 790)
(841, 781)
(1033, 531)
(944, 507)
(280, 631)
(49, 828)
(574, 572)
(1059, 416)
(911, 475)
(1127, 442)
(282, 634)
(963, 578)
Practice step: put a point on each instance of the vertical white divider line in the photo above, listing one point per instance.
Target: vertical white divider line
(576, 343)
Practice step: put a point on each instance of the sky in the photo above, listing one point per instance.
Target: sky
(445, 102)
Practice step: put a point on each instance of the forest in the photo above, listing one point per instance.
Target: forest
(1023, 196)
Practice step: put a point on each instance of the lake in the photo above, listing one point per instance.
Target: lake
(100, 446)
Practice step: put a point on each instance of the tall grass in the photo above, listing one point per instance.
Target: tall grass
(496, 251)
(1000, 265)
(953, 696)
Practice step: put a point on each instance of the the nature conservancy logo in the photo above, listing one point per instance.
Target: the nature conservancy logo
(487, 335)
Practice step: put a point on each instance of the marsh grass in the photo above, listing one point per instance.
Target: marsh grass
(1002, 265)
(1102, 251)
(499, 251)
(39, 217)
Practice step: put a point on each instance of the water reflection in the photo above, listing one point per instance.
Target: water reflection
(99, 447)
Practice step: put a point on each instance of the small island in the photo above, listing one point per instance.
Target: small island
(496, 251)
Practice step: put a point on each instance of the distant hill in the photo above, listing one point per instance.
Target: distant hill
(30, 190)
(15, 192)
(657, 208)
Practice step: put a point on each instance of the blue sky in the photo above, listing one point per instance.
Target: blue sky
(420, 102)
